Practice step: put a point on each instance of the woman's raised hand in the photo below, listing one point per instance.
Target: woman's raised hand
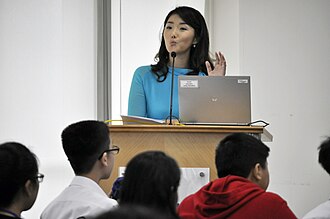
(219, 66)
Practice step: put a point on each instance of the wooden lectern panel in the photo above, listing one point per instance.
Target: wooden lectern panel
(190, 146)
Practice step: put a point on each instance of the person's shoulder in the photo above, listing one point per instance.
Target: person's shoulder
(143, 73)
(189, 198)
(112, 202)
(54, 203)
(275, 205)
(270, 196)
(143, 69)
(186, 203)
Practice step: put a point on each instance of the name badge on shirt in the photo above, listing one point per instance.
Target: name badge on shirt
(189, 83)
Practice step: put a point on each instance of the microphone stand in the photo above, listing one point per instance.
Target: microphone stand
(173, 55)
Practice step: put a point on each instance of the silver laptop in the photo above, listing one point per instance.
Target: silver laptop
(215, 100)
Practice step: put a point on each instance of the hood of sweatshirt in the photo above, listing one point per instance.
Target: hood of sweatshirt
(223, 196)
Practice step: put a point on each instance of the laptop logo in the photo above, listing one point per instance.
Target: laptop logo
(214, 99)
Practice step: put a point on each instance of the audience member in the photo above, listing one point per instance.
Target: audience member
(91, 154)
(132, 212)
(115, 190)
(323, 210)
(151, 179)
(239, 192)
(19, 179)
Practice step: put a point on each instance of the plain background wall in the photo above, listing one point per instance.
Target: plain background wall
(285, 47)
(47, 81)
(48, 78)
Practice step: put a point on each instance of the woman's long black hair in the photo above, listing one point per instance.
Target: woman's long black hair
(151, 179)
(198, 54)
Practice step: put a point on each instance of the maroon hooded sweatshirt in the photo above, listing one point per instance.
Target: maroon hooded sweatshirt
(234, 197)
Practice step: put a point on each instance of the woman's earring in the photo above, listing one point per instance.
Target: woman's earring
(194, 45)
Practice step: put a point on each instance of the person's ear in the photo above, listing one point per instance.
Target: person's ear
(29, 187)
(257, 172)
(195, 41)
(104, 159)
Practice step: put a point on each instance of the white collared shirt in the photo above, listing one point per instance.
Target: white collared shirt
(83, 197)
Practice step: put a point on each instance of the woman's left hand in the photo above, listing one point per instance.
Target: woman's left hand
(219, 67)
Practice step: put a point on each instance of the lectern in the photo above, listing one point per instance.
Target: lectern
(190, 146)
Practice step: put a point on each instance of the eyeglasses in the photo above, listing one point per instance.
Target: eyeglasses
(115, 150)
(40, 177)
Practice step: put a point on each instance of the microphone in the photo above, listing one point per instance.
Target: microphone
(173, 55)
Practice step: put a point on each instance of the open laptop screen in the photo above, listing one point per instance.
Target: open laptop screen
(221, 100)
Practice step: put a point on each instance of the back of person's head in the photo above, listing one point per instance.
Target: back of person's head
(132, 212)
(324, 155)
(151, 179)
(237, 154)
(83, 142)
(18, 165)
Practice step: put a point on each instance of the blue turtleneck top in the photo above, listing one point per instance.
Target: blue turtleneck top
(150, 98)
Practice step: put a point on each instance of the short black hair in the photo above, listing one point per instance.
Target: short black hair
(151, 179)
(132, 212)
(238, 153)
(324, 155)
(17, 165)
(83, 142)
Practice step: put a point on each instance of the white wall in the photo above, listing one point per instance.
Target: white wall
(224, 32)
(284, 46)
(47, 80)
